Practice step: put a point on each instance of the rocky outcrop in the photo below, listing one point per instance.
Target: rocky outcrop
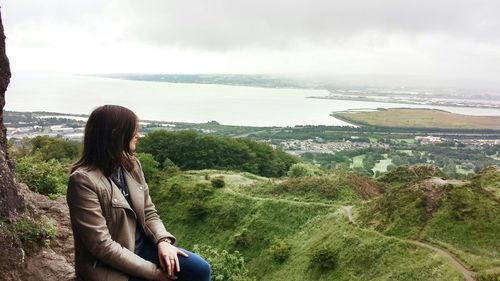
(52, 262)
(10, 202)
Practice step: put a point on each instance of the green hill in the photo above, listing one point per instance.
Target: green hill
(296, 229)
(463, 217)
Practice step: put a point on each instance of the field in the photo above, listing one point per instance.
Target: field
(419, 118)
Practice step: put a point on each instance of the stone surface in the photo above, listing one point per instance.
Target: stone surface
(54, 263)
(10, 201)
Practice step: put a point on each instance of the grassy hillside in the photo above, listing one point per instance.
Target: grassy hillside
(296, 229)
(463, 217)
(419, 118)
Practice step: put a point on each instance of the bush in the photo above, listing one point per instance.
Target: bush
(169, 167)
(225, 266)
(197, 209)
(60, 149)
(280, 250)
(218, 182)
(326, 187)
(48, 178)
(201, 191)
(150, 166)
(324, 259)
(303, 169)
(34, 234)
(175, 191)
(243, 239)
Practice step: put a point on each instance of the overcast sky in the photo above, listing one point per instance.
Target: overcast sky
(440, 38)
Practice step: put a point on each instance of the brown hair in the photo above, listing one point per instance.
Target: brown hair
(108, 132)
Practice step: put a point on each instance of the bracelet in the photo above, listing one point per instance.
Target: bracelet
(165, 239)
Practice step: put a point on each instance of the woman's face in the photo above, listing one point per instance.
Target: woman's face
(133, 141)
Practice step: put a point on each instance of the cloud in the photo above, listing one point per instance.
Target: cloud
(227, 24)
(441, 37)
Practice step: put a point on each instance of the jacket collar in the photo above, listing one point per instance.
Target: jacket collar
(136, 193)
(135, 189)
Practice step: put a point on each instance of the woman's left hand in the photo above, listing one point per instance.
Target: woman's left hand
(167, 254)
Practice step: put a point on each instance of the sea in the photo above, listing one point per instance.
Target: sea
(196, 103)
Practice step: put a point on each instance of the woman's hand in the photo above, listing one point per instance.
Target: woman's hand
(160, 275)
(167, 254)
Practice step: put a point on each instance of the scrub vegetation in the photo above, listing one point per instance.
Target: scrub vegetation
(277, 218)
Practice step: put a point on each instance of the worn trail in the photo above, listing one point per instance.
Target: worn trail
(468, 275)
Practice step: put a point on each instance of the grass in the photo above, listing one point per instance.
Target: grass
(357, 161)
(359, 255)
(468, 222)
(381, 165)
(419, 118)
(463, 219)
(249, 216)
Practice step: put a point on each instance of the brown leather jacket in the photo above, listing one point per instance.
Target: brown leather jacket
(104, 225)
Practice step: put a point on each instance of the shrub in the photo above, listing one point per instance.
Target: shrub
(55, 148)
(169, 167)
(197, 209)
(150, 166)
(45, 177)
(218, 182)
(174, 192)
(33, 234)
(201, 191)
(326, 187)
(303, 169)
(280, 250)
(227, 218)
(324, 259)
(243, 239)
(225, 266)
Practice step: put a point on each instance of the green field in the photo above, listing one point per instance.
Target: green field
(252, 215)
(419, 118)
(381, 165)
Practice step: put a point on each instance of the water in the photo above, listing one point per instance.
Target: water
(199, 103)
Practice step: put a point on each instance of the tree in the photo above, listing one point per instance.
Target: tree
(150, 166)
(191, 150)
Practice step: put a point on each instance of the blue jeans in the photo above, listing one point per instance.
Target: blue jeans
(193, 268)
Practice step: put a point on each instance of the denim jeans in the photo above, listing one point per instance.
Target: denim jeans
(193, 268)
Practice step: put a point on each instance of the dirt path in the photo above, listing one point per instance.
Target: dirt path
(468, 275)
(348, 213)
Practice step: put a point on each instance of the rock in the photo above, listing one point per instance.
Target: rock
(48, 265)
(58, 214)
(54, 263)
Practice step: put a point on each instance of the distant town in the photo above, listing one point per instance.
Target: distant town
(463, 153)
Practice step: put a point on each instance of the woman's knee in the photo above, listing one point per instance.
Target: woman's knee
(204, 268)
(197, 267)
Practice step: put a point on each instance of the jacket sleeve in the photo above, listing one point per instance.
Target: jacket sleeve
(88, 221)
(152, 221)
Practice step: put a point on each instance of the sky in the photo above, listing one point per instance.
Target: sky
(435, 38)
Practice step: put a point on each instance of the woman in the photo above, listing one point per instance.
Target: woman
(117, 231)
